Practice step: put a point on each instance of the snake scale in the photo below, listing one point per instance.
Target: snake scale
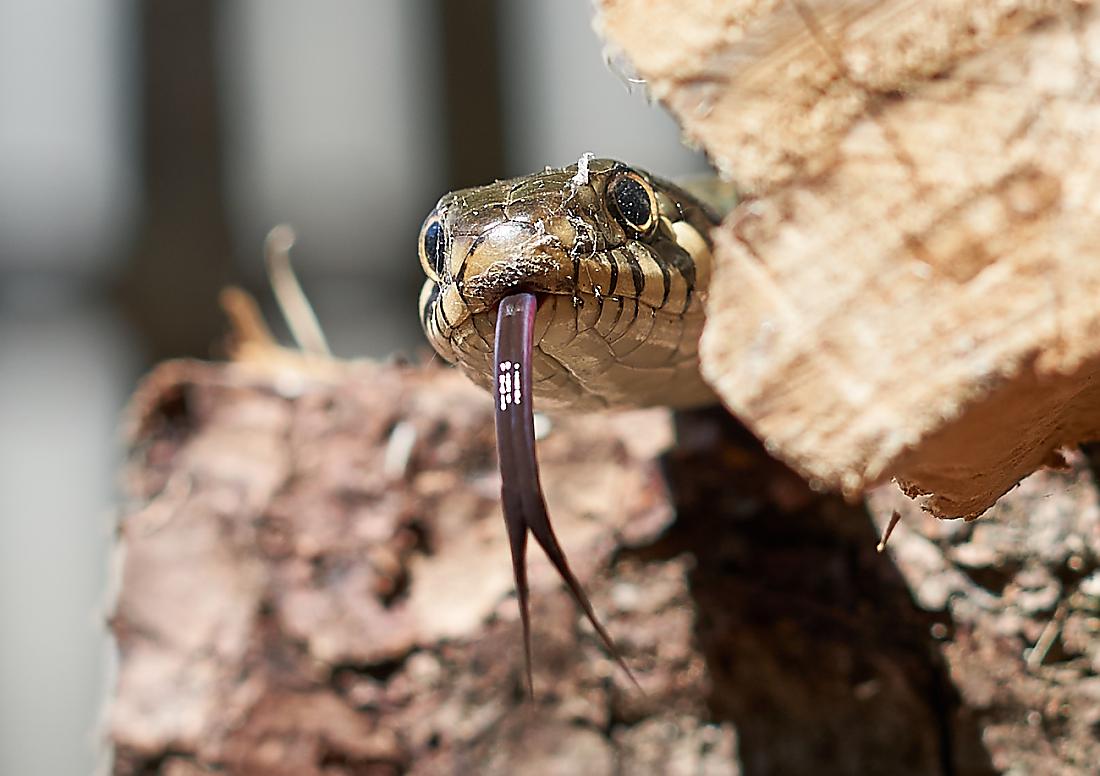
(583, 287)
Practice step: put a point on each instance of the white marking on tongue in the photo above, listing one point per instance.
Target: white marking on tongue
(509, 384)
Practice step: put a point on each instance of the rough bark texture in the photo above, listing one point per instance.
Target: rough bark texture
(911, 291)
(314, 579)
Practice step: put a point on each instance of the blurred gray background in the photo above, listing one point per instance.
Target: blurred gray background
(145, 150)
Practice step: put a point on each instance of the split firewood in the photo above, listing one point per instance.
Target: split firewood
(910, 290)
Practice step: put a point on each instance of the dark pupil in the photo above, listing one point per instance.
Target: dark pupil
(632, 202)
(433, 247)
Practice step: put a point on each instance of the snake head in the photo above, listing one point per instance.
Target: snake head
(524, 234)
(618, 261)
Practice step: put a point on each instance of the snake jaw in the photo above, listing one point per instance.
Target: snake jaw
(522, 498)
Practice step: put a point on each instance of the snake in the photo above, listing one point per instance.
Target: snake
(581, 287)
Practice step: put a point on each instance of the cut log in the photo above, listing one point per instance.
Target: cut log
(911, 289)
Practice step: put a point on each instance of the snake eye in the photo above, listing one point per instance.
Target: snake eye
(432, 252)
(633, 201)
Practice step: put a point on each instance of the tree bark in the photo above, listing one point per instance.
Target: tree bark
(315, 580)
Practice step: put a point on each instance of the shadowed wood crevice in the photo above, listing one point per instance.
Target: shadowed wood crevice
(808, 632)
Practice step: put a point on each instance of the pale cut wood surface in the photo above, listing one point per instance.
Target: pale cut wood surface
(912, 292)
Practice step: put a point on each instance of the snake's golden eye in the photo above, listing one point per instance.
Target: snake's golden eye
(633, 202)
(432, 250)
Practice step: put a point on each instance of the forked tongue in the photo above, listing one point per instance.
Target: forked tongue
(521, 490)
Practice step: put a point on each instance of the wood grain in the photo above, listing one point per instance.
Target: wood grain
(910, 291)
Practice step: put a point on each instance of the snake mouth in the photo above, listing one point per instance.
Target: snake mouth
(522, 498)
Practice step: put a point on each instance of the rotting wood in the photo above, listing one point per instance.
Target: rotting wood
(912, 290)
